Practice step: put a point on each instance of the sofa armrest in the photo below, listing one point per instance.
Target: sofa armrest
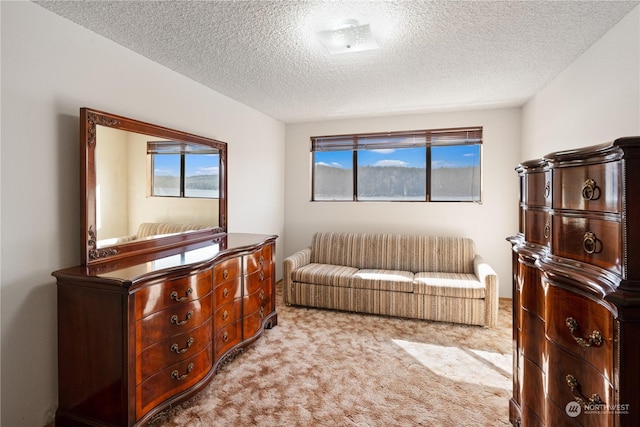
(489, 278)
(291, 263)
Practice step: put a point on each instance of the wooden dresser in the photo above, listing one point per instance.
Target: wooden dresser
(576, 289)
(142, 333)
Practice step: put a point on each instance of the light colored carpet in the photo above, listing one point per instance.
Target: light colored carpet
(328, 368)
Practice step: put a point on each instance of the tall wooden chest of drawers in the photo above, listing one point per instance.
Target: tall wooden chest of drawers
(576, 288)
(139, 334)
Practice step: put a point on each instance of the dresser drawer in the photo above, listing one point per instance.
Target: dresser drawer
(226, 338)
(588, 240)
(227, 291)
(226, 314)
(533, 396)
(172, 321)
(253, 322)
(567, 371)
(532, 346)
(581, 326)
(532, 292)
(593, 187)
(172, 350)
(259, 260)
(538, 189)
(172, 292)
(172, 380)
(537, 226)
(227, 270)
(257, 280)
(260, 298)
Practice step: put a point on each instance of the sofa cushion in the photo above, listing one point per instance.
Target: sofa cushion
(148, 229)
(459, 285)
(394, 252)
(385, 280)
(324, 274)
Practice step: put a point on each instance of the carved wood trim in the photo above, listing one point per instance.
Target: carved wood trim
(94, 252)
(96, 119)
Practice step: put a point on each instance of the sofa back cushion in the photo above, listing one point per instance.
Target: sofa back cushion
(394, 252)
(147, 229)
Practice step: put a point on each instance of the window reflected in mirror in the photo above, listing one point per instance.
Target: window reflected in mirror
(183, 170)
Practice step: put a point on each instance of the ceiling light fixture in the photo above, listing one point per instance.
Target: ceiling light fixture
(348, 37)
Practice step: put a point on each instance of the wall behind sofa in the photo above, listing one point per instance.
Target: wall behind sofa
(488, 224)
(50, 68)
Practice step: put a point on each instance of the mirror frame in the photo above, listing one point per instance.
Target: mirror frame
(91, 254)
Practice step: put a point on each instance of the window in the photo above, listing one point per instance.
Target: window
(431, 165)
(184, 170)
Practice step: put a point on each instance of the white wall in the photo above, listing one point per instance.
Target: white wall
(595, 100)
(488, 224)
(51, 68)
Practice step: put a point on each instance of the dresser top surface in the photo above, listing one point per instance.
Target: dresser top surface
(147, 266)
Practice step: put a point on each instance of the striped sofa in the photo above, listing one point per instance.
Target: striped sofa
(422, 277)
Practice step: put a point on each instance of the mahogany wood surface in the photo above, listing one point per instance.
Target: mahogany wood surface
(576, 288)
(141, 333)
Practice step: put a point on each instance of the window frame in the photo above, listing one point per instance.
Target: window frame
(464, 136)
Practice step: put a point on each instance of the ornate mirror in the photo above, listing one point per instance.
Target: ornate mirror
(147, 187)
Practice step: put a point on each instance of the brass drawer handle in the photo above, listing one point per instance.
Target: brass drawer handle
(176, 349)
(262, 312)
(175, 321)
(225, 337)
(261, 296)
(225, 292)
(174, 295)
(261, 275)
(225, 315)
(261, 260)
(176, 375)
(594, 340)
(585, 402)
(590, 190)
(547, 230)
(225, 274)
(590, 243)
(547, 190)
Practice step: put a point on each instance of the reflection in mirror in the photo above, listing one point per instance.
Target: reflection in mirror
(147, 188)
(142, 180)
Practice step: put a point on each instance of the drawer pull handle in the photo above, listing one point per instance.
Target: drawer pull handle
(176, 349)
(225, 292)
(175, 321)
(582, 400)
(225, 274)
(547, 230)
(261, 260)
(547, 190)
(176, 375)
(225, 315)
(261, 275)
(590, 190)
(225, 337)
(262, 312)
(174, 295)
(261, 294)
(590, 243)
(594, 340)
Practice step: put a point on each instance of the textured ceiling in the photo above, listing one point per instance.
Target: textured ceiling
(433, 55)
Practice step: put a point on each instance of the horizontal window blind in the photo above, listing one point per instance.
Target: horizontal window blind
(395, 140)
(175, 147)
